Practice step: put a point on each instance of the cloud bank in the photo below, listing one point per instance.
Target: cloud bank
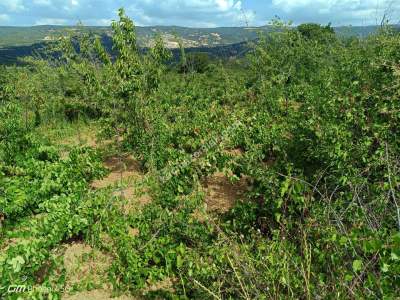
(339, 12)
(197, 13)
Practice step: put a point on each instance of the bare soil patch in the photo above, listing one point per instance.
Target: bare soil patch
(121, 168)
(237, 152)
(132, 199)
(164, 285)
(133, 232)
(97, 295)
(221, 194)
(9, 243)
(86, 138)
(84, 264)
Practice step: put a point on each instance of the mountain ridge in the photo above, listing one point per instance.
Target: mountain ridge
(225, 42)
(24, 36)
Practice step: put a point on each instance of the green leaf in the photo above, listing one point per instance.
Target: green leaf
(385, 268)
(357, 265)
(285, 187)
(394, 256)
(348, 277)
(179, 261)
(278, 217)
(343, 241)
(17, 263)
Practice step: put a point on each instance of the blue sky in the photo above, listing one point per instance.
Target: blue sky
(197, 13)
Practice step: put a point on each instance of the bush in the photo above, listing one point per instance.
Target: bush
(14, 128)
(317, 32)
(197, 62)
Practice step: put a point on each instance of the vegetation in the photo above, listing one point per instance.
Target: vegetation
(223, 42)
(303, 132)
(25, 36)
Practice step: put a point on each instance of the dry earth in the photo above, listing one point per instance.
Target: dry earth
(221, 193)
(87, 265)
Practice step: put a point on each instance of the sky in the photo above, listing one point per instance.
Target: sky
(197, 13)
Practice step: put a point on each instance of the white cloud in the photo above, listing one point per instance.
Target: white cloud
(225, 5)
(4, 18)
(351, 11)
(42, 2)
(52, 21)
(194, 13)
(322, 5)
(12, 5)
(98, 22)
(199, 13)
(71, 5)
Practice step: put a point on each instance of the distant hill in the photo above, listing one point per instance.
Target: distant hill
(224, 42)
(360, 31)
(10, 55)
(192, 37)
(16, 42)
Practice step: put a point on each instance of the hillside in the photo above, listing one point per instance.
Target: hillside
(223, 42)
(192, 37)
(10, 55)
(17, 42)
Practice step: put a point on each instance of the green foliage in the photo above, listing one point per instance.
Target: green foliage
(195, 62)
(52, 190)
(307, 120)
(13, 132)
(317, 32)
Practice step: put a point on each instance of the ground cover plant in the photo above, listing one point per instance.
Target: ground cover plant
(275, 176)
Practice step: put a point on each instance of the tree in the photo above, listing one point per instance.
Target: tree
(316, 32)
(196, 62)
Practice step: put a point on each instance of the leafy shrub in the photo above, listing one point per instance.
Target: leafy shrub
(13, 132)
(195, 62)
(308, 121)
(317, 32)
